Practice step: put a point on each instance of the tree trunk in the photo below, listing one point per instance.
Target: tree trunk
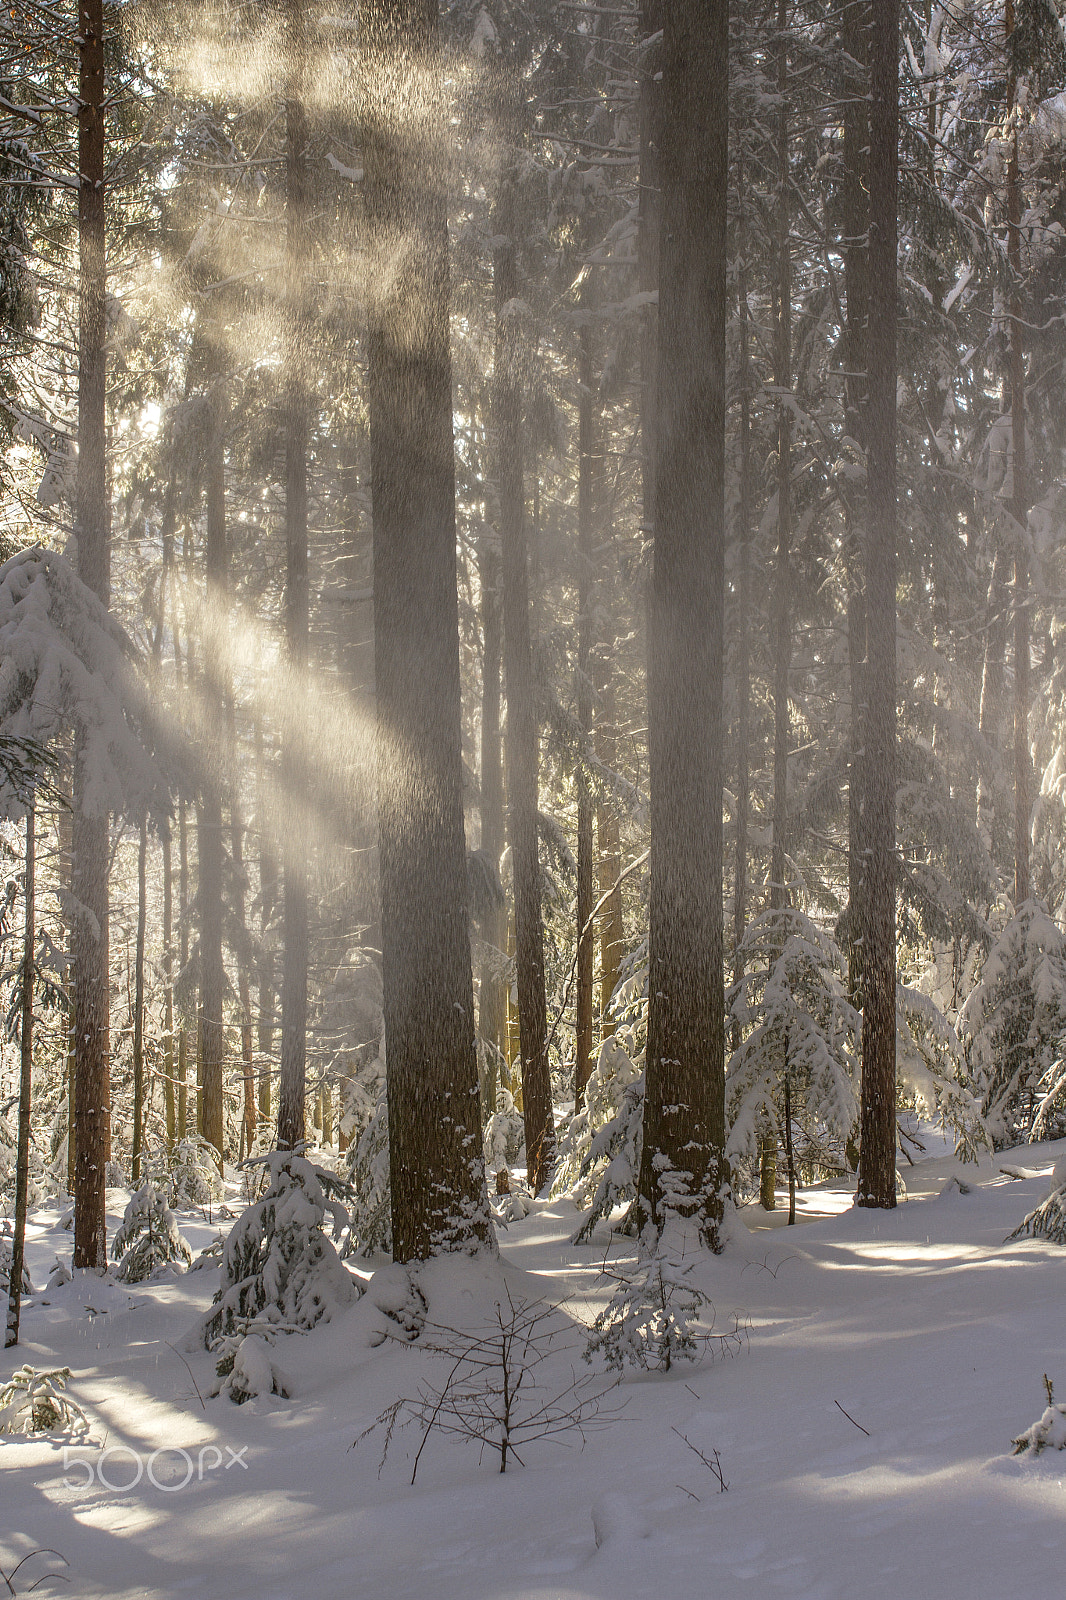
(92, 1097)
(877, 1156)
(522, 740)
(492, 993)
(585, 513)
(268, 876)
(683, 1164)
(183, 901)
(22, 1157)
(855, 40)
(212, 1044)
(782, 629)
(439, 1200)
(293, 1082)
(138, 1006)
(1019, 503)
(609, 849)
(743, 666)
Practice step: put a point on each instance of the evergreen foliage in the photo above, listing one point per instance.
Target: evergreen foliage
(148, 1240)
(33, 1401)
(280, 1273)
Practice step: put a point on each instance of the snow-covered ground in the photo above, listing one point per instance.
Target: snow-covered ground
(864, 1429)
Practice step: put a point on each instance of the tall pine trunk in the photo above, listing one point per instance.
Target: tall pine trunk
(293, 1082)
(877, 1155)
(855, 220)
(683, 1164)
(782, 628)
(92, 1090)
(1019, 502)
(492, 993)
(585, 514)
(522, 733)
(211, 1054)
(436, 1169)
(22, 1155)
(138, 1006)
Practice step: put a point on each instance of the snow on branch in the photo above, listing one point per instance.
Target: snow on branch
(66, 664)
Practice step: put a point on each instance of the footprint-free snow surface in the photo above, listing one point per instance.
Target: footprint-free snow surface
(863, 1428)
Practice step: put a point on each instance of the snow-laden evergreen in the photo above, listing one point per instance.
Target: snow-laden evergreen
(796, 1020)
(33, 1401)
(1013, 1027)
(149, 1240)
(1048, 1219)
(65, 660)
(280, 1274)
(599, 1149)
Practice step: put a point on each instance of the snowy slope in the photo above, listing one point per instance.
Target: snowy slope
(921, 1324)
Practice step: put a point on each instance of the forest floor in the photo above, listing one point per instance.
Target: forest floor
(863, 1428)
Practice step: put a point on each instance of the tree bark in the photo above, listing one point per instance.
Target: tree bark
(855, 206)
(585, 514)
(211, 1055)
(1019, 504)
(492, 994)
(92, 1097)
(22, 1156)
(683, 1164)
(268, 875)
(439, 1200)
(522, 733)
(782, 629)
(138, 1006)
(743, 666)
(292, 1087)
(877, 1156)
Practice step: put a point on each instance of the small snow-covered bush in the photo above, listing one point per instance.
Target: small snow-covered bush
(1049, 1430)
(33, 1401)
(657, 1315)
(190, 1178)
(505, 1136)
(371, 1208)
(5, 1263)
(797, 1022)
(1048, 1219)
(599, 1151)
(148, 1237)
(1013, 1028)
(280, 1273)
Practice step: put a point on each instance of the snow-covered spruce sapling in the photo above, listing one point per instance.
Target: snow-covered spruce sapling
(492, 1395)
(1049, 1430)
(1012, 1026)
(191, 1179)
(657, 1315)
(33, 1401)
(599, 1151)
(371, 1211)
(279, 1274)
(148, 1237)
(5, 1263)
(1048, 1219)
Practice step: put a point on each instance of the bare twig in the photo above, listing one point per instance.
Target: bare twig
(713, 1467)
(189, 1370)
(850, 1418)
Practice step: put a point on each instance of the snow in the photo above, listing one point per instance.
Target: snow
(864, 1431)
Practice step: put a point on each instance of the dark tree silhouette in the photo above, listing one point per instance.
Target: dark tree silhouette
(683, 1165)
(439, 1200)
